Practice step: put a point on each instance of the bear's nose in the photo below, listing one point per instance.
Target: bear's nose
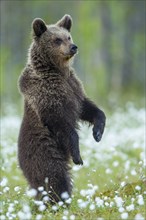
(73, 48)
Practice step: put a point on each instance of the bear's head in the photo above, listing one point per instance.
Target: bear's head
(52, 44)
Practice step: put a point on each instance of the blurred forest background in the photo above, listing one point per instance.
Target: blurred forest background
(110, 36)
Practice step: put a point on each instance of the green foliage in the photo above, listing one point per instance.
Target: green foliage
(110, 185)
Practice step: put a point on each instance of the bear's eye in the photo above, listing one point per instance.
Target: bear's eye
(58, 40)
(69, 38)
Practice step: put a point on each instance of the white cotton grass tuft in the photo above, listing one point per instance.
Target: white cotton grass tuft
(40, 188)
(92, 207)
(66, 212)
(68, 201)
(6, 189)
(119, 201)
(17, 188)
(82, 204)
(54, 208)
(88, 196)
(124, 215)
(42, 208)
(60, 203)
(25, 213)
(65, 195)
(4, 182)
(116, 163)
(121, 209)
(3, 217)
(99, 202)
(46, 198)
(108, 171)
(139, 217)
(72, 217)
(64, 217)
(138, 188)
(130, 208)
(38, 217)
(133, 172)
(140, 200)
(31, 192)
(123, 184)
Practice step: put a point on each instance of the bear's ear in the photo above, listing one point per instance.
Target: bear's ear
(65, 22)
(39, 27)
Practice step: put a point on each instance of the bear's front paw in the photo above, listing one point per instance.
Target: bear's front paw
(78, 160)
(97, 133)
(98, 128)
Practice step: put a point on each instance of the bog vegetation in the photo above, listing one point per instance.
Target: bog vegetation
(110, 185)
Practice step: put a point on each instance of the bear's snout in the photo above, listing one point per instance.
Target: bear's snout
(73, 49)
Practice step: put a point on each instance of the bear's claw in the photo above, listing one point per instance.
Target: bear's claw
(78, 161)
(97, 136)
(98, 131)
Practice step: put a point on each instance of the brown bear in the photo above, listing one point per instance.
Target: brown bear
(54, 102)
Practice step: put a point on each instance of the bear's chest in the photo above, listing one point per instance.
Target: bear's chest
(63, 93)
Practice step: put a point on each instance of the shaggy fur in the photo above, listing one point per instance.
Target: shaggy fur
(54, 102)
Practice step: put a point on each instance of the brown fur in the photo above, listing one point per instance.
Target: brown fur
(54, 101)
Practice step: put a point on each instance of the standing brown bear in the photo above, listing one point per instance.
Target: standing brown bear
(54, 102)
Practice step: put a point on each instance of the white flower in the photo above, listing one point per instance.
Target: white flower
(124, 215)
(108, 171)
(46, 180)
(64, 217)
(111, 204)
(140, 162)
(46, 198)
(121, 209)
(123, 184)
(132, 199)
(68, 201)
(119, 201)
(139, 217)
(44, 193)
(4, 182)
(115, 163)
(82, 204)
(3, 217)
(38, 217)
(31, 192)
(130, 207)
(21, 215)
(17, 188)
(65, 195)
(99, 202)
(138, 188)
(10, 209)
(90, 185)
(133, 173)
(6, 189)
(65, 212)
(72, 217)
(83, 192)
(92, 207)
(42, 208)
(54, 208)
(106, 204)
(28, 216)
(140, 200)
(40, 188)
(39, 203)
(60, 203)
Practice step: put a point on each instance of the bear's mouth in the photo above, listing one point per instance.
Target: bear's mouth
(70, 55)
